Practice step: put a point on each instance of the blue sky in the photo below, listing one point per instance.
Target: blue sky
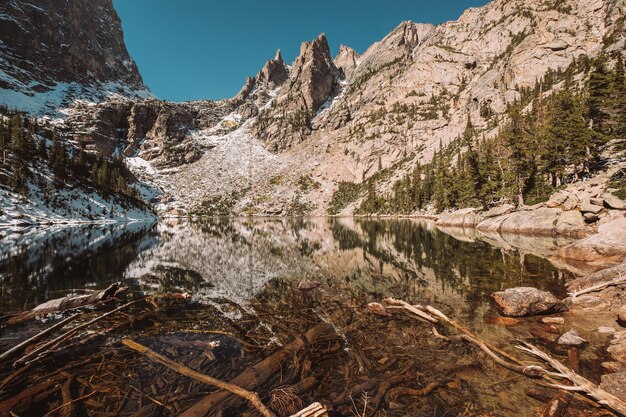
(199, 49)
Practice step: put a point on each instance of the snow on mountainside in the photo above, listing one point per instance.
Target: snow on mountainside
(294, 132)
(54, 52)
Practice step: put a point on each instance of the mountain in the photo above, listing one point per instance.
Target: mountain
(53, 52)
(324, 133)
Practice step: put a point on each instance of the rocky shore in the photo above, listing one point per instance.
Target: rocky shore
(585, 227)
(587, 211)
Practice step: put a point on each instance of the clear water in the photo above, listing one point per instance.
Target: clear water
(258, 268)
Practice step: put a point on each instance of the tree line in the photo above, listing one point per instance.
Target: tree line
(547, 140)
(29, 153)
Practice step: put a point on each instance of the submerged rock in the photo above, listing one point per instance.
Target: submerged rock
(553, 320)
(615, 384)
(526, 301)
(571, 338)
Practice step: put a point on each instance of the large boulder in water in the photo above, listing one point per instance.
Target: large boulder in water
(526, 301)
(605, 247)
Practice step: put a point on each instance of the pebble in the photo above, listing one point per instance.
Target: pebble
(553, 320)
(606, 330)
(571, 338)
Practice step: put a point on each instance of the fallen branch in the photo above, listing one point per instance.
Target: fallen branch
(260, 372)
(20, 347)
(66, 303)
(48, 345)
(252, 397)
(314, 410)
(412, 309)
(579, 383)
(599, 287)
(396, 393)
(559, 402)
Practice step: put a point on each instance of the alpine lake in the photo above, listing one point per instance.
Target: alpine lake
(226, 293)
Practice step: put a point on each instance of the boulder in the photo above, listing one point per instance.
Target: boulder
(588, 207)
(571, 338)
(498, 211)
(570, 222)
(571, 203)
(526, 301)
(540, 222)
(557, 199)
(467, 217)
(605, 247)
(614, 202)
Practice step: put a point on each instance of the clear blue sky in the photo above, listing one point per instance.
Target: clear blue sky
(204, 49)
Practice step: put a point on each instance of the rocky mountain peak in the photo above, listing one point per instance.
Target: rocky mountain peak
(346, 60)
(313, 79)
(55, 51)
(274, 73)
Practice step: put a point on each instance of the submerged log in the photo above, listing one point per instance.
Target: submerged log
(33, 355)
(66, 303)
(252, 397)
(257, 374)
(14, 351)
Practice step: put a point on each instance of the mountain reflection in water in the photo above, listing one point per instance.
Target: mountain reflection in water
(237, 259)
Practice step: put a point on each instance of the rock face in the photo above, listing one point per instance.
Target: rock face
(256, 90)
(346, 61)
(526, 301)
(332, 121)
(312, 80)
(56, 51)
(621, 315)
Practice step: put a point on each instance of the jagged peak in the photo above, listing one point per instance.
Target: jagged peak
(278, 57)
(346, 60)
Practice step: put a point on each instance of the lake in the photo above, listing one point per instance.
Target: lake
(276, 277)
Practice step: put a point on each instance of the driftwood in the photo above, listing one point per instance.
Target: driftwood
(559, 402)
(259, 373)
(314, 410)
(33, 355)
(417, 310)
(396, 393)
(252, 397)
(621, 280)
(15, 350)
(66, 303)
(579, 384)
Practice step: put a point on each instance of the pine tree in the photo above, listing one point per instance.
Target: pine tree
(516, 139)
(599, 94)
(568, 140)
(619, 99)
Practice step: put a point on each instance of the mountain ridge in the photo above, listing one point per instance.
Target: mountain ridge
(324, 121)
